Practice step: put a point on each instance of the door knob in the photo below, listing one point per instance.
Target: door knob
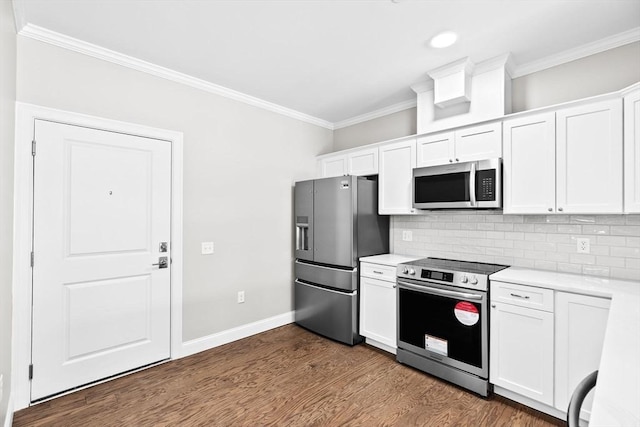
(163, 262)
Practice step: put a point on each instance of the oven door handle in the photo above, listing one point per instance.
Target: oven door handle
(443, 292)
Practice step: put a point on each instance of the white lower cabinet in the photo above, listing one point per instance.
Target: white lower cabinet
(521, 343)
(580, 326)
(543, 343)
(378, 311)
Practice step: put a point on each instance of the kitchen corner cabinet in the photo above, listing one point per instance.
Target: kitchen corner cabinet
(360, 163)
(467, 144)
(567, 162)
(632, 152)
(396, 163)
(521, 340)
(581, 321)
(378, 305)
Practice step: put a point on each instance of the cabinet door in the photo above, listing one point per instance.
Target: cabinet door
(363, 162)
(395, 178)
(521, 357)
(529, 167)
(478, 142)
(332, 166)
(378, 310)
(435, 149)
(580, 327)
(632, 152)
(589, 158)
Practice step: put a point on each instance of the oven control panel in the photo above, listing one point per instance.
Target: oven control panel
(454, 278)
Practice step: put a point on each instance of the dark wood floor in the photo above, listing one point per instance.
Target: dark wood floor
(283, 377)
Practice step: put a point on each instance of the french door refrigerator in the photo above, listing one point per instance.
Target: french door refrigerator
(336, 223)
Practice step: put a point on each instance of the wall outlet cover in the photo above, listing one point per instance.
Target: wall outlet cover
(240, 297)
(407, 235)
(207, 248)
(583, 245)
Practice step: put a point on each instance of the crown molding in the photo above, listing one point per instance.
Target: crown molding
(585, 50)
(395, 108)
(70, 43)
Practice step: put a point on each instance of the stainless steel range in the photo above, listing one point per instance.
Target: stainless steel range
(443, 319)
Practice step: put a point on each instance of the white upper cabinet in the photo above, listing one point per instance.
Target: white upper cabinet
(529, 167)
(589, 158)
(632, 152)
(468, 144)
(332, 166)
(569, 161)
(361, 162)
(395, 178)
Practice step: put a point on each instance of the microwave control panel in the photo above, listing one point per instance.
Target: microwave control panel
(486, 185)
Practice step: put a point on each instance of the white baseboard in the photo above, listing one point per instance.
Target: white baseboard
(234, 334)
(8, 419)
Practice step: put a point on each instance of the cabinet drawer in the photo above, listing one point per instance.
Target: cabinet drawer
(524, 296)
(377, 271)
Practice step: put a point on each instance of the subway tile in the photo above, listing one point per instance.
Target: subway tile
(524, 227)
(494, 218)
(495, 251)
(610, 261)
(524, 244)
(560, 238)
(611, 240)
(505, 226)
(515, 235)
(469, 226)
(625, 230)
(611, 219)
(495, 235)
(632, 263)
(626, 274)
(544, 246)
(516, 253)
(625, 252)
(535, 219)
(570, 228)
(582, 259)
(557, 256)
(486, 226)
(632, 219)
(535, 237)
(522, 262)
(557, 219)
(582, 219)
(595, 229)
(545, 228)
(596, 270)
(570, 268)
(514, 219)
(633, 242)
(534, 255)
(503, 243)
(600, 250)
(546, 265)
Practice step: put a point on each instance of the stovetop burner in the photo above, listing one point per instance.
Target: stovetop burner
(457, 265)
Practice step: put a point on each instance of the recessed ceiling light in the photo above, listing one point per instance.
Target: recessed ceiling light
(444, 39)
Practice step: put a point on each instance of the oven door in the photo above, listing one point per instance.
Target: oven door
(446, 324)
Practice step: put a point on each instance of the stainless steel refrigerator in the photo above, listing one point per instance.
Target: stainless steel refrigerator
(336, 223)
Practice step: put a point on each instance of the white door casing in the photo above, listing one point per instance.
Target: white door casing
(102, 205)
(26, 115)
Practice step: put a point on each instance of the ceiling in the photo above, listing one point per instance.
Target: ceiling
(329, 59)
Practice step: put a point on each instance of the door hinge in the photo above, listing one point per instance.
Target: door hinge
(33, 147)
(31, 258)
(31, 371)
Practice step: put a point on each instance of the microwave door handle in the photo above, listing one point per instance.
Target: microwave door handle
(472, 184)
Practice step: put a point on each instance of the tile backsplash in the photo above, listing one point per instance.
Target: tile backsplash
(545, 242)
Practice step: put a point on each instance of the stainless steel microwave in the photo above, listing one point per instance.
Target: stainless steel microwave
(464, 185)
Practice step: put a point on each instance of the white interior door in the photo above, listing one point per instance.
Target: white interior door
(102, 206)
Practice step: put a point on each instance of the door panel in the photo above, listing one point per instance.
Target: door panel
(303, 210)
(101, 209)
(333, 215)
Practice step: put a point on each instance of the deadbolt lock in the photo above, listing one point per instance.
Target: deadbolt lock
(164, 246)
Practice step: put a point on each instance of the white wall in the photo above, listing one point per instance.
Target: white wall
(392, 126)
(7, 112)
(239, 166)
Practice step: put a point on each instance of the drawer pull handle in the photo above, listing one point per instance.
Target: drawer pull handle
(519, 296)
(378, 272)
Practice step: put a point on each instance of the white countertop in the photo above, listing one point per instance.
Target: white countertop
(391, 260)
(617, 393)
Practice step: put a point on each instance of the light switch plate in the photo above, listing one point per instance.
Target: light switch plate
(407, 235)
(207, 248)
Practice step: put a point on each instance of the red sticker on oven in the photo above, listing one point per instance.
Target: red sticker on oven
(466, 313)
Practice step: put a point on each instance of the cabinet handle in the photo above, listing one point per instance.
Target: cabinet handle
(520, 296)
(457, 160)
(493, 306)
(550, 209)
(395, 286)
(560, 209)
(450, 160)
(378, 272)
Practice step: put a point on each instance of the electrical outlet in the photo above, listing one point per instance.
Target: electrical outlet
(207, 248)
(240, 297)
(407, 235)
(583, 246)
